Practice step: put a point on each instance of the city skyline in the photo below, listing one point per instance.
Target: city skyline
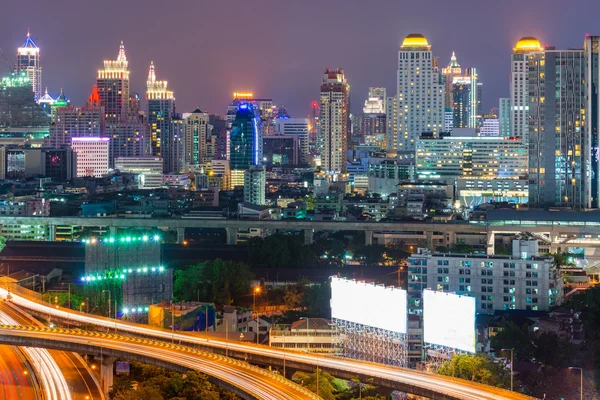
(371, 33)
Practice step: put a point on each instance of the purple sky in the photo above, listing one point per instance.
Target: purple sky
(279, 48)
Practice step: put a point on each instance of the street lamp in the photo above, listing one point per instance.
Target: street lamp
(81, 306)
(254, 293)
(580, 381)
(106, 290)
(512, 353)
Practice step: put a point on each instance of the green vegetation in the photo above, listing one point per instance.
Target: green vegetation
(477, 368)
(147, 382)
(331, 388)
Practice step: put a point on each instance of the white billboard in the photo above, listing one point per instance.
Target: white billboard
(449, 320)
(369, 304)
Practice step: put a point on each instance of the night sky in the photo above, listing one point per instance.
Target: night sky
(279, 48)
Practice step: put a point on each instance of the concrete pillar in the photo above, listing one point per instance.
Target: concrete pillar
(51, 233)
(106, 373)
(180, 235)
(113, 231)
(451, 239)
(429, 239)
(491, 243)
(231, 235)
(308, 236)
(368, 238)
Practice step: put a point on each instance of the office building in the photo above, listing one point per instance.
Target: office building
(20, 115)
(299, 128)
(147, 169)
(466, 100)
(373, 121)
(176, 159)
(420, 95)
(521, 281)
(255, 185)
(28, 61)
(73, 121)
(264, 108)
(92, 155)
(281, 150)
(504, 112)
(161, 108)
(246, 138)
(449, 73)
(463, 154)
(125, 125)
(527, 48)
(197, 132)
(448, 119)
(591, 126)
(490, 125)
(334, 120)
(19, 163)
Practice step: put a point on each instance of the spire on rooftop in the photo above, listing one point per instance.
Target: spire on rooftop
(151, 73)
(453, 62)
(122, 56)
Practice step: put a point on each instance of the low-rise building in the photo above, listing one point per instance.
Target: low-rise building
(314, 335)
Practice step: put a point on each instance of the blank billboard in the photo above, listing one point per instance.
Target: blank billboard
(368, 304)
(449, 320)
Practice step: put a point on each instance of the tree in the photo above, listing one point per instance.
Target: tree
(562, 260)
(515, 337)
(477, 368)
(552, 350)
(326, 389)
(292, 297)
(316, 300)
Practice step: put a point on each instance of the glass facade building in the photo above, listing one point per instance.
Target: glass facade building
(246, 138)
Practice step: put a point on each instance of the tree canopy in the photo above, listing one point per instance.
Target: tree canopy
(477, 368)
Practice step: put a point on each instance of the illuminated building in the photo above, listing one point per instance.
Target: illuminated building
(280, 150)
(197, 133)
(334, 120)
(525, 49)
(161, 108)
(420, 95)
(71, 121)
(28, 60)
(246, 138)
(563, 127)
(448, 119)
(46, 102)
(176, 163)
(20, 115)
(373, 120)
(299, 128)
(125, 125)
(490, 125)
(449, 73)
(18, 163)
(466, 100)
(265, 109)
(148, 170)
(255, 185)
(92, 155)
(504, 111)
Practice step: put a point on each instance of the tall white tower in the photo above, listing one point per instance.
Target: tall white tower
(334, 120)
(519, 89)
(28, 60)
(420, 95)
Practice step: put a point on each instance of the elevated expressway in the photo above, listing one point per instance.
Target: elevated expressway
(416, 382)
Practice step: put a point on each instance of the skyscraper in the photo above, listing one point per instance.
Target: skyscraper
(504, 111)
(449, 73)
(592, 126)
(28, 60)
(255, 185)
(125, 125)
(466, 100)
(246, 138)
(197, 132)
(161, 108)
(334, 120)
(526, 48)
(563, 127)
(420, 95)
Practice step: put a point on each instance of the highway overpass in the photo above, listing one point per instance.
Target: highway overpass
(407, 380)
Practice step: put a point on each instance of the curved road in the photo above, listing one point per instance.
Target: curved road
(250, 379)
(456, 388)
(81, 384)
(14, 383)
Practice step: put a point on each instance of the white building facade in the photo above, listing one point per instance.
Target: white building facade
(92, 155)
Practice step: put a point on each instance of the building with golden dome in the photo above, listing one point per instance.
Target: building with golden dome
(419, 102)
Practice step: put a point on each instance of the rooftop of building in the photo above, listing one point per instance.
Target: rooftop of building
(415, 41)
(482, 256)
(528, 44)
(311, 323)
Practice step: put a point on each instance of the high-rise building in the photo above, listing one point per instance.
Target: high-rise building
(334, 120)
(255, 185)
(448, 119)
(125, 125)
(449, 73)
(176, 163)
(265, 108)
(490, 125)
(20, 115)
(161, 108)
(525, 49)
(92, 155)
(28, 60)
(72, 121)
(420, 95)
(563, 126)
(504, 112)
(148, 170)
(246, 138)
(466, 100)
(298, 127)
(197, 132)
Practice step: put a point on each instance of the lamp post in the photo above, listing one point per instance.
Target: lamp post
(580, 381)
(106, 290)
(512, 353)
(81, 306)
(254, 293)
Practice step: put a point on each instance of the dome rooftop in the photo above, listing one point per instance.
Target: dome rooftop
(528, 44)
(415, 41)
